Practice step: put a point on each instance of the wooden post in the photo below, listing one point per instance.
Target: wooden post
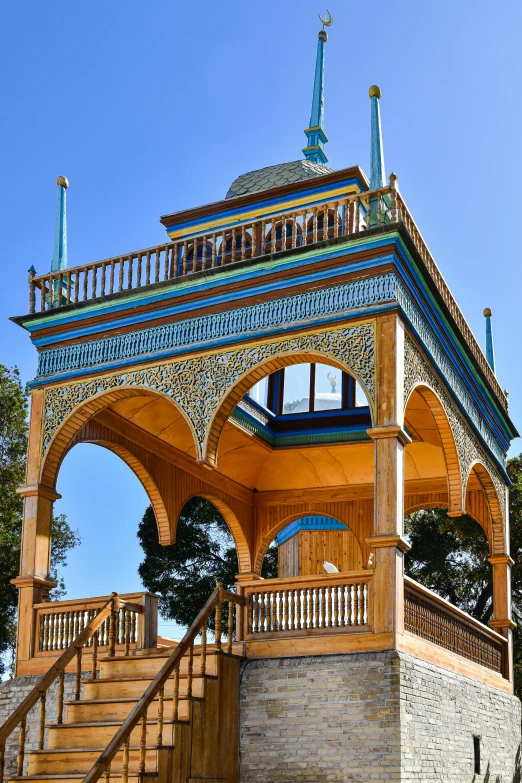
(148, 622)
(389, 441)
(502, 622)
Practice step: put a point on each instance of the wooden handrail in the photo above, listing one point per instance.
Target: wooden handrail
(38, 693)
(139, 713)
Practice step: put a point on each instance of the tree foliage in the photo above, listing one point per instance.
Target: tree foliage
(13, 448)
(185, 573)
(450, 556)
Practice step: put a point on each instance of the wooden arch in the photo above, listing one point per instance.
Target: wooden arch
(249, 379)
(64, 436)
(494, 527)
(275, 529)
(244, 558)
(149, 485)
(455, 495)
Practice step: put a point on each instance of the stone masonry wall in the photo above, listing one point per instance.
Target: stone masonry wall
(373, 718)
(11, 694)
(441, 712)
(330, 718)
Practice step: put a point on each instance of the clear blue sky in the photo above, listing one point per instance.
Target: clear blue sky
(157, 106)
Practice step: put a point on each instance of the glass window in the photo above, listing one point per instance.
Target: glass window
(296, 397)
(259, 392)
(328, 388)
(360, 396)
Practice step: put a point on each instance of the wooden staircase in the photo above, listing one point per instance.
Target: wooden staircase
(186, 731)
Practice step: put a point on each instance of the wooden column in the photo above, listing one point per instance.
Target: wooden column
(387, 542)
(34, 583)
(502, 622)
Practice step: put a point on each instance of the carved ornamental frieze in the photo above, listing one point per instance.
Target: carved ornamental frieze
(199, 384)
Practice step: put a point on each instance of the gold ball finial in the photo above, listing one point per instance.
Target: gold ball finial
(374, 91)
(487, 312)
(63, 182)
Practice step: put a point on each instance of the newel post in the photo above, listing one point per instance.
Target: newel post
(389, 439)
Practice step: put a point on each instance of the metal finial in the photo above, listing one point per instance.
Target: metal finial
(62, 182)
(326, 23)
(374, 91)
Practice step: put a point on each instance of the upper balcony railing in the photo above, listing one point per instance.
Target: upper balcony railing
(248, 240)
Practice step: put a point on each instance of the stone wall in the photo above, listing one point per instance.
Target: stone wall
(375, 717)
(12, 692)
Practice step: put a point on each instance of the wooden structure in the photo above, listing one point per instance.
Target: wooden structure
(155, 355)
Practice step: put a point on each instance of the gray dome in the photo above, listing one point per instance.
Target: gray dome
(275, 176)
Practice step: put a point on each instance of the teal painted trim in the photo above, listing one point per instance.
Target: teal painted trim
(308, 523)
(490, 351)
(377, 173)
(60, 233)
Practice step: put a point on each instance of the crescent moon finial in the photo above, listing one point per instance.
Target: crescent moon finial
(324, 21)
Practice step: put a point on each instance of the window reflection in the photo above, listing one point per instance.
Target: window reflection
(259, 392)
(296, 394)
(328, 388)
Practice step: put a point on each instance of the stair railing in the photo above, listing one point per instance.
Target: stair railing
(89, 636)
(157, 687)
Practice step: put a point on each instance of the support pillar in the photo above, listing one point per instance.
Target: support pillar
(502, 622)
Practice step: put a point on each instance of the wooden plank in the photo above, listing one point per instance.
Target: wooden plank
(330, 644)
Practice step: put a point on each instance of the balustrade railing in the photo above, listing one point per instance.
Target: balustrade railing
(430, 617)
(58, 623)
(307, 604)
(288, 230)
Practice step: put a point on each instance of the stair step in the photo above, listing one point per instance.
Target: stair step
(120, 687)
(116, 777)
(90, 735)
(117, 709)
(137, 666)
(67, 761)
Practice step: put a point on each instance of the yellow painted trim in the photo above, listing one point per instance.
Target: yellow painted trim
(257, 214)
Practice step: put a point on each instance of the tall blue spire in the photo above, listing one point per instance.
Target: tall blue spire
(377, 172)
(60, 231)
(490, 352)
(316, 136)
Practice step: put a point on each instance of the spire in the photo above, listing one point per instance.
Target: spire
(316, 136)
(60, 231)
(490, 353)
(377, 173)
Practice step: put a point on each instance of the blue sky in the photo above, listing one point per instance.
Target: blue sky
(152, 107)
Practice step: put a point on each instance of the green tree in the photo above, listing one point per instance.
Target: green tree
(185, 573)
(449, 556)
(13, 448)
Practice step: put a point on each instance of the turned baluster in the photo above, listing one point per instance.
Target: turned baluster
(233, 245)
(175, 694)
(315, 604)
(323, 617)
(283, 233)
(290, 623)
(147, 268)
(325, 222)
(160, 716)
(223, 249)
(134, 627)
(286, 625)
(120, 274)
(103, 279)
(41, 722)
(230, 627)
(203, 656)
(262, 612)
(341, 606)
(78, 678)
(94, 668)
(127, 616)
(336, 219)
(21, 748)
(194, 254)
(60, 621)
(213, 259)
(253, 251)
(297, 602)
(59, 709)
(174, 260)
(304, 233)
(393, 197)
(357, 215)
(379, 209)
(111, 277)
(204, 252)
(59, 289)
(143, 743)
(68, 289)
(273, 247)
(251, 628)
(294, 231)
(112, 628)
(334, 621)
(41, 620)
(125, 763)
(42, 295)
(307, 608)
(139, 270)
(107, 773)
(315, 224)
(219, 617)
(263, 238)
(356, 604)
(190, 670)
(184, 258)
(365, 603)
(273, 611)
(243, 242)
(165, 263)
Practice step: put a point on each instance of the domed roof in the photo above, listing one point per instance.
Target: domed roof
(275, 176)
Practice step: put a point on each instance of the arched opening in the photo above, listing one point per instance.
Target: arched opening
(483, 504)
(315, 228)
(288, 233)
(233, 246)
(432, 453)
(449, 555)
